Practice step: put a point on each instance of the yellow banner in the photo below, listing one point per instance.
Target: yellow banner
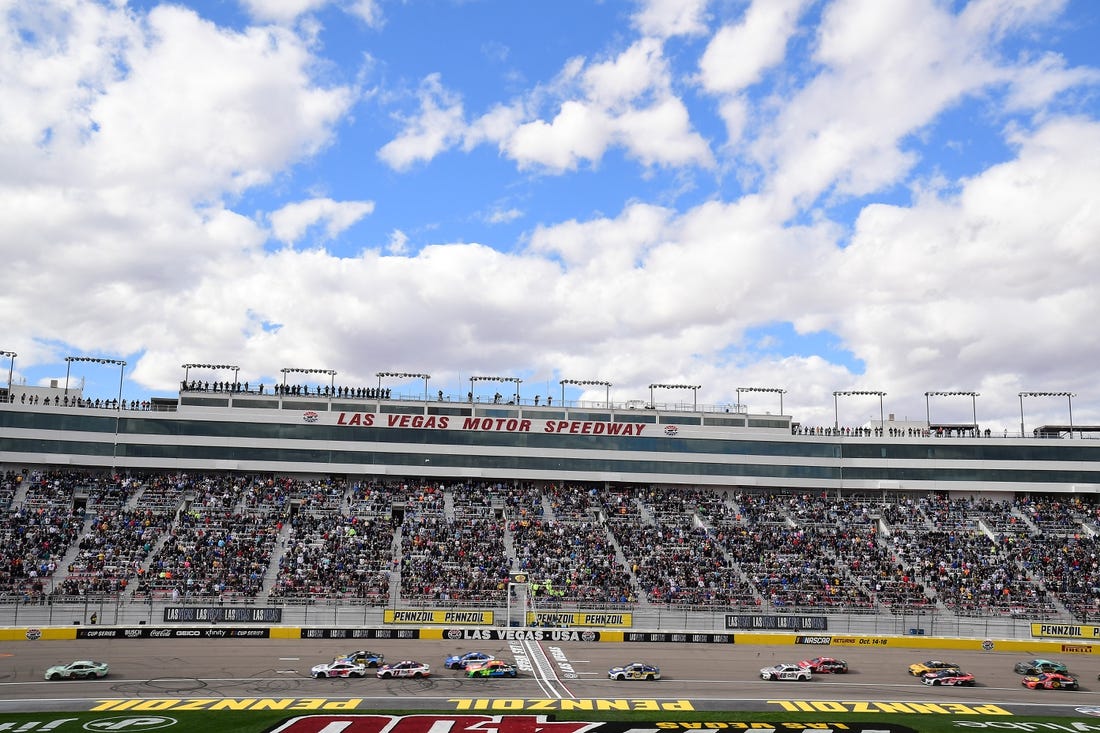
(438, 616)
(1070, 631)
(564, 619)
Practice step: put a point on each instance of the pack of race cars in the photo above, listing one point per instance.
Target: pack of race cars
(1037, 674)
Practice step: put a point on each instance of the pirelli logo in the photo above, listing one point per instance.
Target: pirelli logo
(565, 619)
(438, 616)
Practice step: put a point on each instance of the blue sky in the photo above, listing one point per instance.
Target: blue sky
(805, 194)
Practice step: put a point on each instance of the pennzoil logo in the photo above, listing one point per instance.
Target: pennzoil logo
(310, 416)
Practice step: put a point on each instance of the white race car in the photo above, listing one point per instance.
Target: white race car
(786, 671)
(408, 668)
(84, 669)
(339, 668)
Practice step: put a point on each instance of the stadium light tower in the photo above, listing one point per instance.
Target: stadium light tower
(587, 383)
(214, 367)
(330, 372)
(973, 404)
(11, 367)
(858, 393)
(120, 363)
(1068, 395)
(777, 390)
(404, 375)
(694, 393)
(514, 380)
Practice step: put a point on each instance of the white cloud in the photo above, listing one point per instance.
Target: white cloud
(739, 54)
(281, 11)
(290, 223)
(666, 18)
(399, 243)
(438, 125)
(579, 133)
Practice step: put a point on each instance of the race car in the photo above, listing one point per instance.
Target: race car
(85, 669)
(460, 661)
(367, 659)
(407, 668)
(824, 665)
(1050, 681)
(1038, 666)
(492, 668)
(635, 671)
(932, 665)
(338, 668)
(948, 678)
(786, 671)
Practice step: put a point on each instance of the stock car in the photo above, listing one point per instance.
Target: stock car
(1038, 666)
(367, 659)
(948, 678)
(1050, 681)
(407, 668)
(492, 668)
(84, 669)
(786, 671)
(635, 671)
(824, 665)
(461, 661)
(932, 665)
(338, 668)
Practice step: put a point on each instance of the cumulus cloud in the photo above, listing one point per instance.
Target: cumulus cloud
(147, 158)
(739, 53)
(291, 222)
(438, 125)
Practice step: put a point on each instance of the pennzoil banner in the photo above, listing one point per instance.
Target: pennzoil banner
(565, 619)
(437, 616)
(1066, 631)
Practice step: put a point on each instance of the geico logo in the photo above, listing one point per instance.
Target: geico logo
(130, 723)
(188, 632)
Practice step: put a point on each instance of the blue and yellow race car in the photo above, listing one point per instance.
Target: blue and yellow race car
(635, 671)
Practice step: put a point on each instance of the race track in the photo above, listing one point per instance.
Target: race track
(710, 676)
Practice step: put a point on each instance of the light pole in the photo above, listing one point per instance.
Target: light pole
(330, 372)
(973, 405)
(121, 364)
(587, 383)
(858, 393)
(514, 380)
(777, 390)
(694, 392)
(11, 367)
(1068, 395)
(404, 375)
(215, 367)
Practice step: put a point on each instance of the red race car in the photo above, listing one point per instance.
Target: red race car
(824, 665)
(1050, 681)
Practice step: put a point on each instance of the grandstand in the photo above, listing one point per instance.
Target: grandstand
(375, 502)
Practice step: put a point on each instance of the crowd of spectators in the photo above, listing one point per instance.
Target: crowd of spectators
(237, 535)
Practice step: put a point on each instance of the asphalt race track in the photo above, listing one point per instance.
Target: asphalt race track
(710, 676)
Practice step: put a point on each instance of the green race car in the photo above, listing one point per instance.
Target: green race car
(80, 670)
